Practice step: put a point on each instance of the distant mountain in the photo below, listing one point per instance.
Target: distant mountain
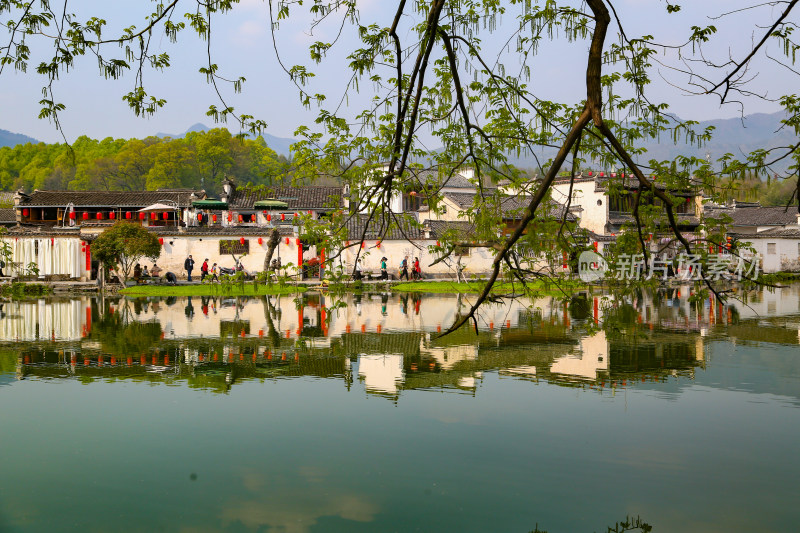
(8, 138)
(735, 135)
(281, 145)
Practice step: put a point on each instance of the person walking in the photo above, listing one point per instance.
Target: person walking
(384, 272)
(214, 272)
(417, 269)
(188, 266)
(204, 270)
(358, 275)
(404, 268)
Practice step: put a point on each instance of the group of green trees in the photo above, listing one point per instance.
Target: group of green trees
(200, 160)
(753, 188)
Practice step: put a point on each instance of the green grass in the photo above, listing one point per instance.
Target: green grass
(442, 287)
(248, 289)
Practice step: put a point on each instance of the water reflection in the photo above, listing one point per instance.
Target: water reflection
(388, 343)
(325, 414)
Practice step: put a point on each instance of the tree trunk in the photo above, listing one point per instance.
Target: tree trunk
(272, 244)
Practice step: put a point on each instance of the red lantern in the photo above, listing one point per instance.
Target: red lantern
(287, 241)
(165, 216)
(99, 216)
(363, 245)
(437, 244)
(283, 216)
(72, 215)
(153, 216)
(112, 215)
(230, 217)
(269, 218)
(128, 215)
(25, 212)
(214, 218)
(141, 216)
(310, 212)
(199, 217)
(85, 216)
(260, 240)
(297, 242)
(590, 172)
(379, 244)
(295, 215)
(161, 241)
(241, 241)
(265, 213)
(602, 174)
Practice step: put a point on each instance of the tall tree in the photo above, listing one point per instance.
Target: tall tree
(123, 245)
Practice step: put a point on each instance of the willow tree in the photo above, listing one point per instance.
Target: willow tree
(445, 84)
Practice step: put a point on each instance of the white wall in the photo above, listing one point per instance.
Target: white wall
(592, 217)
(785, 257)
(176, 249)
(478, 262)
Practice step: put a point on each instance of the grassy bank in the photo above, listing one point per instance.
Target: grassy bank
(443, 287)
(248, 289)
(25, 290)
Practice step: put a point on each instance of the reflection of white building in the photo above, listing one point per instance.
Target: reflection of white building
(45, 320)
(587, 363)
(447, 357)
(382, 374)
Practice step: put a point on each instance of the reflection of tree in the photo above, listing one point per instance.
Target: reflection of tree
(118, 336)
(269, 312)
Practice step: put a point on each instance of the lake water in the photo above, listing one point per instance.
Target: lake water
(323, 414)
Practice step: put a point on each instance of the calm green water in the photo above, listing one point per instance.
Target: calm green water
(318, 415)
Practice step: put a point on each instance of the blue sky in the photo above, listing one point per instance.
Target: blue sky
(242, 45)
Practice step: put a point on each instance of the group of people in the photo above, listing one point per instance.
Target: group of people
(140, 272)
(205, 270)
(416, 270)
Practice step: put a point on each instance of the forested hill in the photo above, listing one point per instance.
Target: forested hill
(281, 145)
(198, 159)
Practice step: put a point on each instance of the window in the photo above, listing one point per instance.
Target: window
(770, 248)
(234, 247)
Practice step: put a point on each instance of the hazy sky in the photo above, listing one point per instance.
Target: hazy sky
(242, 45)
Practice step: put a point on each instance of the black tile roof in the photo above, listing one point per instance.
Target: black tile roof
(783, 233)
(618, 218)
(757, 216)
(134, 199)
(459, 230)
(221, 231)
(298, 198)
(8, 215)
(390, 228)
